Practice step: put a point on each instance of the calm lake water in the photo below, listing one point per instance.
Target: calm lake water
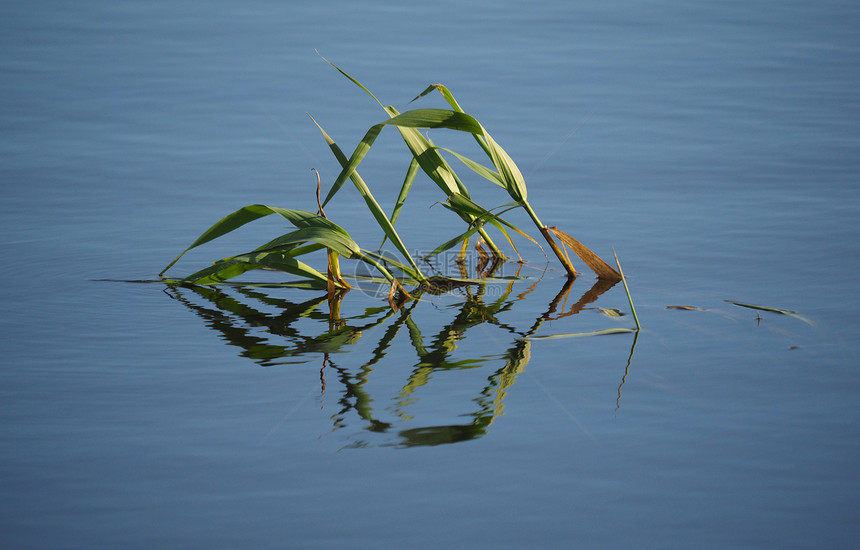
(715, 146)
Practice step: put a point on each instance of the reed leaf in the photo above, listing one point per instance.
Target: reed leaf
(478, 168)
(401, 197)
(382, 260)
(449, 97)
(446, 93)
(453, 120)
(247, 214)
(764, 308)
(376, 210)
(422, 118)
(451, 243)
(338, 241)
(511, 179)
(404, 189)
(438, 170)
(423, 151)
(603, 332)
(592, 260)
(315, 232)
(777, 310)
(431, 162)
(510, 174)
(627, 290)
(460, 203)
(354, 81)
(232, 267)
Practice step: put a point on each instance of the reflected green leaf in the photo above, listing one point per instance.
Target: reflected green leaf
(298, 332)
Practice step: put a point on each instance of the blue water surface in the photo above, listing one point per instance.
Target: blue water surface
(713, 145)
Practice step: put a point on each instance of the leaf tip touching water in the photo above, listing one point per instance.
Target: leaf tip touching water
(776, 310)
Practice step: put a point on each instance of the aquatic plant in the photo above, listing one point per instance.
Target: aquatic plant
(314, 231)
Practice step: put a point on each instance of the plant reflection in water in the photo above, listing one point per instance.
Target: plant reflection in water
(308, 332)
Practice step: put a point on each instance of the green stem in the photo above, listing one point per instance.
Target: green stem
(491, 244)
(627, 290)
(571, 271)
(385, 273)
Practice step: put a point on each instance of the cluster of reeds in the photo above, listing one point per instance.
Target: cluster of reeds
(314, 231)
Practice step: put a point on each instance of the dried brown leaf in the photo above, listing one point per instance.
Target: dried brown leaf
(592, 260)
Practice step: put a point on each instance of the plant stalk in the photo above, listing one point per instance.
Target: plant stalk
(562, 257)
(491, 244)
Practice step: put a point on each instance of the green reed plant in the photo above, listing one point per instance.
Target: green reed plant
(315, 232)
(504, 172)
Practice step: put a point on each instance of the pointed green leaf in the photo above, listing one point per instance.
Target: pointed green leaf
(451, 243)
(354, 81)
(404, 189)
(232, 267)
(478, 168)
(381, 219)
(433, 164)
(247, 214)
(430, 161)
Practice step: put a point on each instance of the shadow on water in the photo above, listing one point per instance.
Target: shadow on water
(314, 330)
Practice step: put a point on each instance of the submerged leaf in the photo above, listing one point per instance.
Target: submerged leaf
(764, 308)
(603, 332)
(772, 310)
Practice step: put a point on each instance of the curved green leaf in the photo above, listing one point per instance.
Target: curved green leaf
(404, 189)
(381, 219)
(247, 214)
(451, 243)
(334, 240)
(478, 168)
(232, 267)
(423, 151)
(510, 175)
